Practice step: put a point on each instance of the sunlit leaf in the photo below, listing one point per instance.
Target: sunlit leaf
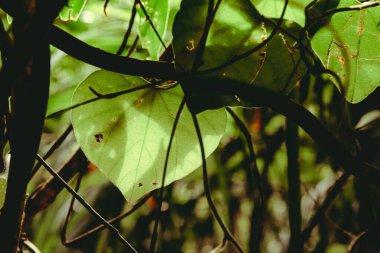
(127, 136)
(295, 10)
(158, 11)
(3, 188)
(236, 29)
(3, 183)
(349, 47)
(72, 11)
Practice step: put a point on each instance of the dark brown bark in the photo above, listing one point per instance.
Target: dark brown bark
(28, 73)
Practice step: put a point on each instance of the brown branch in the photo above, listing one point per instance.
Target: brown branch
(100, 58)
(27, 70)
(48, 191)
(332, 193)
(256, 96)
(73, 242)
(86, 205)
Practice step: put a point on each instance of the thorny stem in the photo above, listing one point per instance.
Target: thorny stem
(86, 205)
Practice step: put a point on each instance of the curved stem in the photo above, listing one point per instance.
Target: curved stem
(129, 30)
(258, 196)
(161, 193)
(228, 235)
(282, 104)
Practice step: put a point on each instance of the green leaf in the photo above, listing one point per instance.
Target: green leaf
(158, 11)
(236, 29)
(349, 47)
(295, 10)
(127, 136)
(3, 186)
(72, 10)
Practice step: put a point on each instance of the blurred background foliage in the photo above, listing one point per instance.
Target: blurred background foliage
(187, 224)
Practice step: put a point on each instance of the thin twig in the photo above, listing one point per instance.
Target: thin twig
(129, 29)
(258, 196)
(151, 24)
(253, 50)
(69, 212)
(332, 193)
(98, 97)
(161, 193)
(86, 205)
(133, 46)
(47, 191)
(79, 238)
(53, 148)
(214, 210)
(358, 7)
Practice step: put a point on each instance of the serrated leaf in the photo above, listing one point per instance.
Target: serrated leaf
(348, 46)
(127, 136)
(72, 10)
(295, 10)
(158, 11)
(236, 29)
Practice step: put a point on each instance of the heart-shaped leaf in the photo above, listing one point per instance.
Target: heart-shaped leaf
(127, 136)
(349, 47)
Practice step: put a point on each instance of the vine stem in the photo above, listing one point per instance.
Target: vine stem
(236, 58)
(161, 192)
(129, 30)
(302, 117)
(79, 238)
(332, 193)
(99, 97)
(258, 214)
(53, 148)
(85, 204)
(227, 234)
(294, 183)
